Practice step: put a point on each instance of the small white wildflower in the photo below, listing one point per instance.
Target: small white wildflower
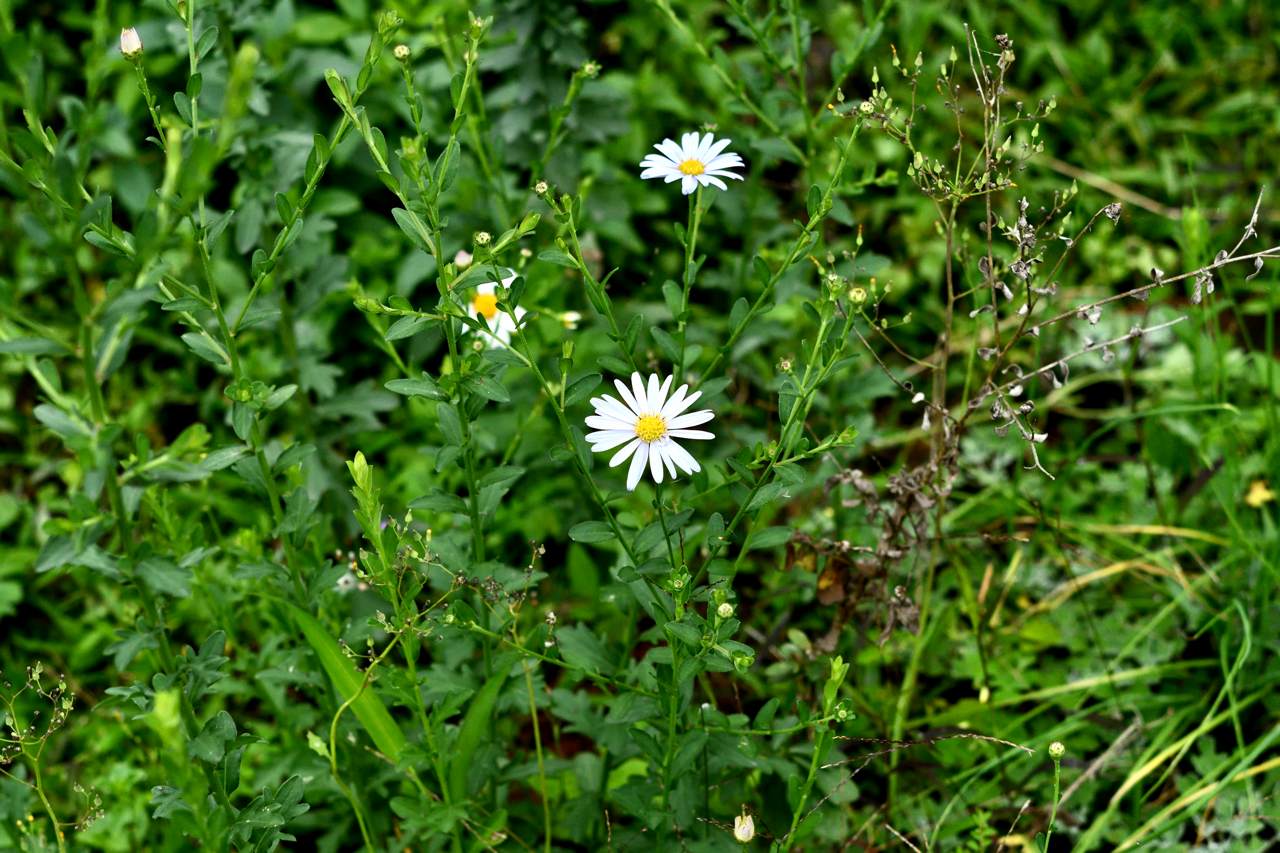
(646, 425)
(462, 260)
(401, 52)
(130, 43)
(551, 617)
(526, 252)
(1057, 750)
(570, 319)
(482, 238)
(696, 161)
(744, 828)
(346, 583)
(725, 610)
(484, 304)
(540, 188)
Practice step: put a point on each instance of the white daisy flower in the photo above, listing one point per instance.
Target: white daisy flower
(646, 425)
(697, 160)
(484, 304)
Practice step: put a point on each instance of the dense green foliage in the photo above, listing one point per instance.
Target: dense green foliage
(291, 558)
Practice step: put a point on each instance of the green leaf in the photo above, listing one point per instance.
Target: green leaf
(211, 744)
(423, 386)
(489, 388)
(580, 389)
(582, 649)
(666, 343)
(409, 225)
(687, 634)
(476, 725)
(555, 256)
(32, 346)
(591, 531)
(450, 423)
(365, 703)
(438, 501)
(165, 576)
(769, 537)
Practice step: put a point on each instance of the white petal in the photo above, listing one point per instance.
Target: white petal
(670, 411)
(651, 394)
(724, 161)
(672, 407)
(659, 399)
(655, 462)
(700, 434)
(673, 151)
(610, 407)
(675, 175)
(719, 146)
(658, 160)
(689, 145)
(486, 288)
(691, 420)
(704, 147)
(656, 172)
(632, 403)
(609, 439)
(721, 173)
(682, 458)
(667, 444)
(688, 184)
(706, 179)
(621, 455)
(637, 390)
(601, 422)
(637, 466)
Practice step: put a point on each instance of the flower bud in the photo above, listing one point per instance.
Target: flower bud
(130, 43)
(540, 188)
(1057, 750)
(462, 260)
(401, 52)
(725, 610)
(482, 238)
(570, 319)
(744, 828)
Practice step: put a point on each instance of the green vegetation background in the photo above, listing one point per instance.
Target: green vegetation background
(1126, 608)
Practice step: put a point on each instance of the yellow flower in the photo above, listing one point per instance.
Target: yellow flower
(1259, 494)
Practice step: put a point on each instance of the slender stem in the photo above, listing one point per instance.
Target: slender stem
(690, 266)
(58, 834)
(819, 748)
(537, 747)
(1053, 815)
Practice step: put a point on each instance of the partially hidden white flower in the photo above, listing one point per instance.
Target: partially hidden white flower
(130, 43)
(744, 828)
(484, 306)
(646, 423)
(699, 160)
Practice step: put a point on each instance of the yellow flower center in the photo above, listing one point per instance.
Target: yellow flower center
(485, 304)
(692, 167)
(651, 428)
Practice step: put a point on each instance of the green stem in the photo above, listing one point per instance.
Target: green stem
(1053, 815)
(537, 746)
(690, 266)
(819, 748)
